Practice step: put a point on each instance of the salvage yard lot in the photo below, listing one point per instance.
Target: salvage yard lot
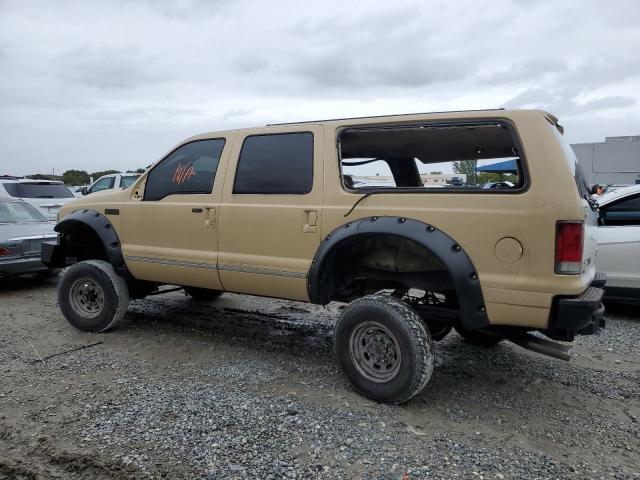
(247, 387)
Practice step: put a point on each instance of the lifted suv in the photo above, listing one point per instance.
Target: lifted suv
(356, 211)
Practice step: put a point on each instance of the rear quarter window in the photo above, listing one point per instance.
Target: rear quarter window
(470, 156)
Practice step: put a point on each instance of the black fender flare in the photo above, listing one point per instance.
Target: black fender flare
(473, 313)
(104, 230)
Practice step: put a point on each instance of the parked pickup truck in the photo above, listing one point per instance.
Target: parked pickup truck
(110, 182)
(275, 211)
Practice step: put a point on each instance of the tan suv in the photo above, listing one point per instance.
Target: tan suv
(391, 215)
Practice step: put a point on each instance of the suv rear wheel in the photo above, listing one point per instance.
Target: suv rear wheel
(92, 296)
(384, 348)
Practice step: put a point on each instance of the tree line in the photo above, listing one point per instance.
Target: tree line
(468, 167)
(82, 177)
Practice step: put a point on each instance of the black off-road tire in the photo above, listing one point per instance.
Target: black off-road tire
(203, 294)
(479, 338)
(364, 319)
(92, 296)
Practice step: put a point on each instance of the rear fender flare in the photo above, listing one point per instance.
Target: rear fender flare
(464, 275)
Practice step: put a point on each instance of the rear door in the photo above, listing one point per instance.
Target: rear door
(270, 218)
(170, 222)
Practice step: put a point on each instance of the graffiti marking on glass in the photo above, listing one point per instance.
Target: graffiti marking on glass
(183, 173)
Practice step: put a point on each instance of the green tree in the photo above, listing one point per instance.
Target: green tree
(43, 176)
(140, 170)
(467, 167)
(75, 177)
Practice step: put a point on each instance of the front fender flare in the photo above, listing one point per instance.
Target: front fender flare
(104, 230)
(464, 275)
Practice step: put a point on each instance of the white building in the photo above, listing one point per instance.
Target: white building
(614, 161)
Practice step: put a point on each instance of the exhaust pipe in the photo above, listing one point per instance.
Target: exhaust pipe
(541, 345)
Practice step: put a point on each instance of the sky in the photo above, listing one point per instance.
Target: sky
(97, 85)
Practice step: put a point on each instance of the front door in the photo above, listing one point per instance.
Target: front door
(170, 223)
(271, 211)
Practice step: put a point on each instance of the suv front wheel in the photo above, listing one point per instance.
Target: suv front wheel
(384, 348)
(92, 296)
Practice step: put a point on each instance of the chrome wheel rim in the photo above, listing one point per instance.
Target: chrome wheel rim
(374, 351)
(86, 297)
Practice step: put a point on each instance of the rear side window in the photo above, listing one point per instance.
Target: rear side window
(190, 168)
(276, 164)
(126, 182)
(37, 190)
(465, 157)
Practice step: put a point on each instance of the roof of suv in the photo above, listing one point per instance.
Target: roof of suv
(384, 116)
(29, 180)
(375, 119)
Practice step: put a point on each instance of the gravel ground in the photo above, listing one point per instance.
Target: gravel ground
(247, 387)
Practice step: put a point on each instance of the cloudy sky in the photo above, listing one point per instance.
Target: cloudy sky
(115, 84)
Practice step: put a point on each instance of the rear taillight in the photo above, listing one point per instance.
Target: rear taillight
(569, 243)
(4, 252)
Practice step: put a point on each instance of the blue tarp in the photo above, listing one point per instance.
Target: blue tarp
(508, 166)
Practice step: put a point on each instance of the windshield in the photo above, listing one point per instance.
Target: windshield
(37, 190)
(126, 182)
(15, 212)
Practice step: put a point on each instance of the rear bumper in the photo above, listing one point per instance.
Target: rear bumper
(581, 315)
(19, 266)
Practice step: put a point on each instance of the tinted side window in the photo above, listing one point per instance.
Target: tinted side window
(626, 212)
(38, 190)
(189, 169)
(631, 205)
(277, 163)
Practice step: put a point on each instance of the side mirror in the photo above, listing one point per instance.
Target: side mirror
(84, 190)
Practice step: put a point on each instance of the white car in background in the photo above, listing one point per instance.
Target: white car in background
(46, 195)
(618, 236)
(110, 182)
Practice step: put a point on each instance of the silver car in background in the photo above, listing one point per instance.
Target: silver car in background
(22, 230)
